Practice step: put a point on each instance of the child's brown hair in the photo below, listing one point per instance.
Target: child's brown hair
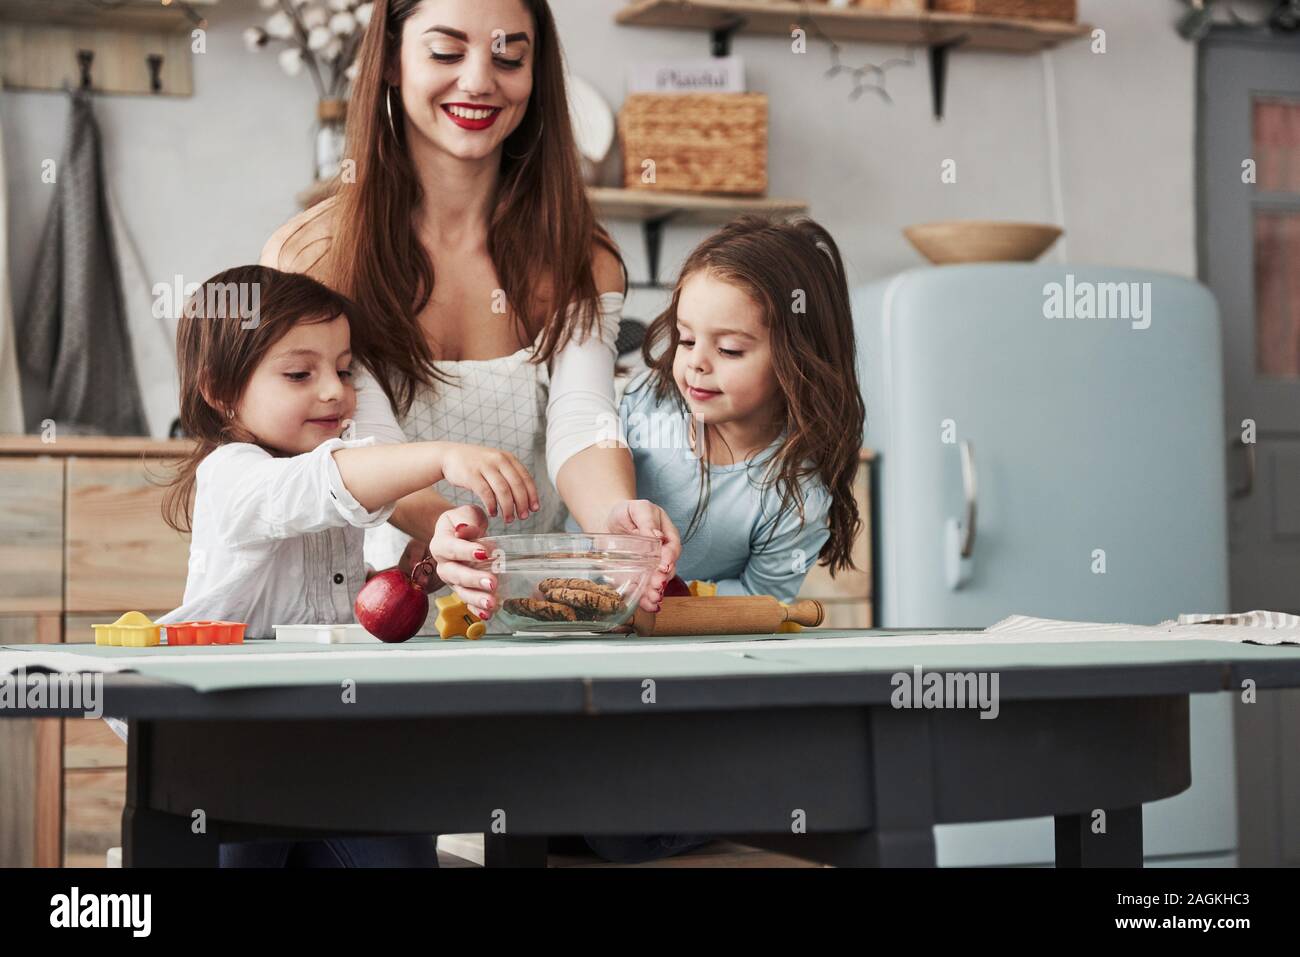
(781, 267)
(225, 330)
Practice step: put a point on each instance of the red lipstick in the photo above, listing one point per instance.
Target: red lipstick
(471, 124)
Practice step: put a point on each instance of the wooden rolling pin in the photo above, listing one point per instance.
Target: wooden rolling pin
(725, 615)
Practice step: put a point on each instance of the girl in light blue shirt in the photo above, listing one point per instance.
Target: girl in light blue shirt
(743, 539)
(746, 429)
(747, 426)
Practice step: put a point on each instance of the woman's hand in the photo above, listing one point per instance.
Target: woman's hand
(453, 546)
(639, 517)
(498, 478)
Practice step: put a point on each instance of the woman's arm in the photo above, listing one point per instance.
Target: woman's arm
(593, 481)
(417, 514)
(591, 469)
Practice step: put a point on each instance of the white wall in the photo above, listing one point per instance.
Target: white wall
(204, 180)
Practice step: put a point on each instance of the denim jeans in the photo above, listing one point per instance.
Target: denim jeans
(403, 851)
(639, 848)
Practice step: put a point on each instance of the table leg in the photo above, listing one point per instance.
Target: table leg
(903, 749)
(155, 839)
(501, 850)
(1077, 845)
(152, 838)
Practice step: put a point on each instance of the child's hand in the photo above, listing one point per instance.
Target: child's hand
(498, 478)
(639, 517)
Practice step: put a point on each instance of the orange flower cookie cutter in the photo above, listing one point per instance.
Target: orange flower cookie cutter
(205, 633)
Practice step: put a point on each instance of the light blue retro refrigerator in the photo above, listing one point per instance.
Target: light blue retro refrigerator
(1040, 454)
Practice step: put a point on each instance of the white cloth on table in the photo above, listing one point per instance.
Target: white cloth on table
(276, 541)
(1252, 628)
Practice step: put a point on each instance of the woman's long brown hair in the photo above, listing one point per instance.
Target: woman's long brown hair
(217, 351)
(814, 356)
(542, 235)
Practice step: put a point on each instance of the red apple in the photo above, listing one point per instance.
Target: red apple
(391, 606)
(676, 588)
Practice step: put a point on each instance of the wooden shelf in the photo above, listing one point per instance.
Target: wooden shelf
(135, 47)
(644, 205)
(122, 15)
(654, 209)
(855, 23)
(95, 445)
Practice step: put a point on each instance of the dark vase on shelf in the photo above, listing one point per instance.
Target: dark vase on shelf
(331, 120)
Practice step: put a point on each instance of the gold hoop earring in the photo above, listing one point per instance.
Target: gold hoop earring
(529, 152)
(388, 103)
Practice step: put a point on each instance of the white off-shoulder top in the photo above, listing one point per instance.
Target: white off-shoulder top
(544, 416)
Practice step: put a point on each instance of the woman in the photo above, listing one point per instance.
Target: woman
(461, 227)
(493, 296)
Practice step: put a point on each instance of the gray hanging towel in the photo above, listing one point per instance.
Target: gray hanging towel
(73, 348)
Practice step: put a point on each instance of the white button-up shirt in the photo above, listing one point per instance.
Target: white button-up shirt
(276, 541)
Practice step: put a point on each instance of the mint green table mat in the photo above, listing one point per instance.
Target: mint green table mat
(233, 667)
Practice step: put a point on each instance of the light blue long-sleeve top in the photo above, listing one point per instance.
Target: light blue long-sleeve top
(730, 544)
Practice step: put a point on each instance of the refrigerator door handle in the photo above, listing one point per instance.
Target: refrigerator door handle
(1248, 486)
(961, 532)
(968, 489)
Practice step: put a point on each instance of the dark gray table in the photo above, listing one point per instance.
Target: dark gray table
(799, 734)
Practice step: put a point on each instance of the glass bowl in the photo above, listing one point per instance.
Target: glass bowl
(569, 583)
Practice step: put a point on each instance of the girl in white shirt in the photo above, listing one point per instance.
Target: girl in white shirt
(280, 493)
(277, 498)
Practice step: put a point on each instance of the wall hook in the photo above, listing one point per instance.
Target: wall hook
(84, 59)
(720, 36)
(155, 61)
(939, 71)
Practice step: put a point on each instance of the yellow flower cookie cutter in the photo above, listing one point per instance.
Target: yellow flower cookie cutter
(132, 630)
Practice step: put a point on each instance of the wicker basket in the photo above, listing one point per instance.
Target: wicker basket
(698, 142)
(1013, 9)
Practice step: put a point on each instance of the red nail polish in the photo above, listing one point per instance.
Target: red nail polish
(460, 526)
(481, 554)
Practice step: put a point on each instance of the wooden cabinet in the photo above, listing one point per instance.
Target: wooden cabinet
(30, 766)
(31, 536)
(81, 540)
(848, 596)
(120, 554)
